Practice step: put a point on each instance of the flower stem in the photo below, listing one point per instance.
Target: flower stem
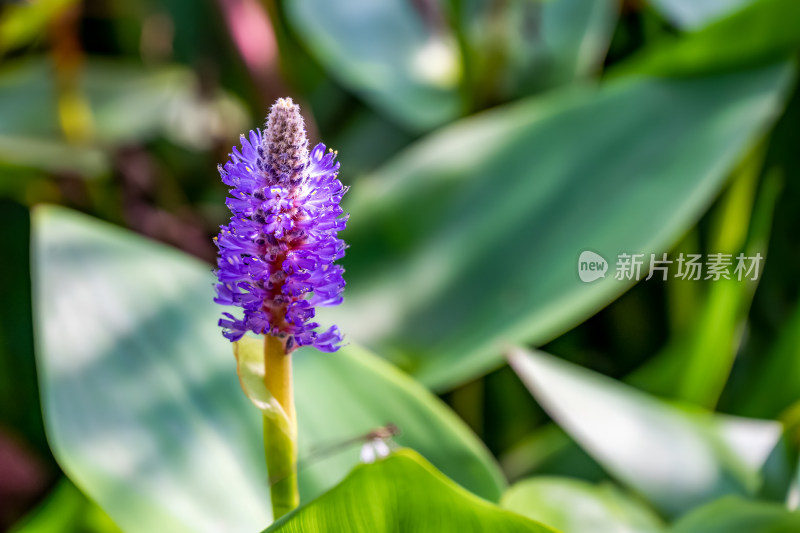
(280, 433)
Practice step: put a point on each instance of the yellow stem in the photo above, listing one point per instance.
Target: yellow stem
(278, 374)
(280, 437)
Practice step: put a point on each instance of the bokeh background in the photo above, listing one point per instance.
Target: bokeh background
(123, 109)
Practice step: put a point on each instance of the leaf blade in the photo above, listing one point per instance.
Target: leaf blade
(142, 404)
(674, 456)
(402, 491)
(481, 261)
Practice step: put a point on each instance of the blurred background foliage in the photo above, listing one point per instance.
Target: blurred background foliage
(122, 110)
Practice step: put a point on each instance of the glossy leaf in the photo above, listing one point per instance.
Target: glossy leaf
(676, 457)
(402, 492)
(471, 238)
(143, 408)
(734, 515)
(575, 506)
(389, 52)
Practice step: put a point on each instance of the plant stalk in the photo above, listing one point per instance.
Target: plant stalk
(280, 434)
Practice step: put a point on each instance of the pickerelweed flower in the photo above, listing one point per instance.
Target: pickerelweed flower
(277, 254)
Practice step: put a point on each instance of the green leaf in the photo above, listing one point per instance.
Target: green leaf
(387, 52)
(735, 515)
(692, 14)
(677, 457)
(142, 405)
(471, 238)
(354, 392)
(760, 34)
(402, 492)
(575, 506)
(66, 510)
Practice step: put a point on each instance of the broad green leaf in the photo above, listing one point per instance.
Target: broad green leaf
(402, 492)
(677, 457)
(575, 506)
(692, 14)
(471, 238)
(389, 52)
(66, 510)
(759, 34)
(143, 408)
(354, 392)
(735, 515)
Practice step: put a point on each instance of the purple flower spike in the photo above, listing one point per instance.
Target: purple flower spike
(276, 256)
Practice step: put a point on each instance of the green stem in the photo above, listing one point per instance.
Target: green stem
(280, 434)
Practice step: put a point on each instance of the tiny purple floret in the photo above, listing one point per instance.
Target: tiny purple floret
(277, 255)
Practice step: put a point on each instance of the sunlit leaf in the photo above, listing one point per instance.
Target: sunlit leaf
(143, 408)
(402, 492)
(676, 457)
(360, 392)
(575, 506)
(471, 238)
